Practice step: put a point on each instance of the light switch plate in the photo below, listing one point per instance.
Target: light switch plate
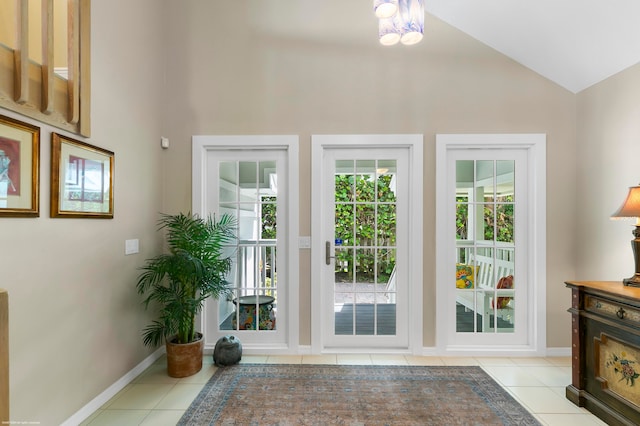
(131, 246)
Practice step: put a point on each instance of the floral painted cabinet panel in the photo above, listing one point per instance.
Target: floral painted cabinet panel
(605, 322)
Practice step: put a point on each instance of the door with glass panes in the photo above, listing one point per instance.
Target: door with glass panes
(365, 289)
(247, 185)
(488, 194)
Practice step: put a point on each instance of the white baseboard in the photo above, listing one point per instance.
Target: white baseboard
(429, 351)
(304, 349)
(548, 352)
(558, 351)
(433, 351)
(112, 390)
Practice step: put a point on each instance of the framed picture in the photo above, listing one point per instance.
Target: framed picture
(81, 179)
(19, 168)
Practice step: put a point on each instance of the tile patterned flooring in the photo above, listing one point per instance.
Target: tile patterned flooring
(154, 398)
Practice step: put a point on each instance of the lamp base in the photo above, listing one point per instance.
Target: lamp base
(634, 281)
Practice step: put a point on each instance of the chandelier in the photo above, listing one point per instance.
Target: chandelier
(399, 21)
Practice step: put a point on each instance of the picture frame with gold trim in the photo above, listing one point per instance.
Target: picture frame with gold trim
(19, 168)
(81, 179)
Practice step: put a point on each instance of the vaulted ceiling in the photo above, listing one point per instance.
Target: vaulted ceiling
(575, 43)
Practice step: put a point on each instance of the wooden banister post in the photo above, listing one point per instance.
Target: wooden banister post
(4, 357)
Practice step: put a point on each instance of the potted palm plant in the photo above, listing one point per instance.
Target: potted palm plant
(180, 280)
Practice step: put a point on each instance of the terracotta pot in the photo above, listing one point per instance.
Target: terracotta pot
(184, 360)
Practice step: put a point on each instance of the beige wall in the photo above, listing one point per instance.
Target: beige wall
(607, 159)
(75, 317)
(179, 68)
(235, 69)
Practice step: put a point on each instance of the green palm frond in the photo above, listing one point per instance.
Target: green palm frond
(193, 270)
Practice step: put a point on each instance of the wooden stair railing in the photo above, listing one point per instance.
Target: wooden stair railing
(4, 357)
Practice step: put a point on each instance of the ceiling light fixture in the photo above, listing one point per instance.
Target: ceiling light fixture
(406, 25)
(385, 8)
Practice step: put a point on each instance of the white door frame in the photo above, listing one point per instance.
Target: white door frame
(415, 145)
(204, 144)
(535, 145)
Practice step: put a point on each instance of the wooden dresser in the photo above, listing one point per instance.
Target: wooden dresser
(605, 327)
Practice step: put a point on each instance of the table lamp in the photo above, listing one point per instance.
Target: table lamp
(631, 209)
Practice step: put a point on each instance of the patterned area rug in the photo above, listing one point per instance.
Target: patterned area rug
(252, 394)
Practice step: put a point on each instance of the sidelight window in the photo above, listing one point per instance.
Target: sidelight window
(248, 190)
(485, 246)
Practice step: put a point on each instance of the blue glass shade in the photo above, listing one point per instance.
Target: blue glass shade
(412, 17)
(385, 8)
(406, 26)
(389, 30)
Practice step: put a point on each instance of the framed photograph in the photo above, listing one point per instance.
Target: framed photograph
(19, 168)
(81, 179)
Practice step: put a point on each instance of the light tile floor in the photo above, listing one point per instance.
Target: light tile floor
(538, 384)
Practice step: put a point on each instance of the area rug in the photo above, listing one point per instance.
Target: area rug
(263, 394)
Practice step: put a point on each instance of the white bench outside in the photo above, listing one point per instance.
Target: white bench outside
(483, 291)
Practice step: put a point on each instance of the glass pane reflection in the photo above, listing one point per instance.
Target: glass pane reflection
(485, 238)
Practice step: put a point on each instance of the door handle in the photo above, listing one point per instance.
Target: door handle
(327, 253)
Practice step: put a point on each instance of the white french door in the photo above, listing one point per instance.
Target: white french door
(362, 247)
(490, 297)
(248, 177)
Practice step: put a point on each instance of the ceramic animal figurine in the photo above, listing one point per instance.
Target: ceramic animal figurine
(228, 351)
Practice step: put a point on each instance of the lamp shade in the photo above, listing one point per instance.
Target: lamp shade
(631, 209)
(631, 206)
(389, 30)
(385, 8)
(412, 17)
